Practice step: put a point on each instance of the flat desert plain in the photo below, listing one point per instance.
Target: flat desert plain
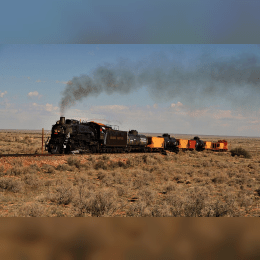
(191, 183)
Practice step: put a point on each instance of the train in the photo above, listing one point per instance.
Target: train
(74, 136)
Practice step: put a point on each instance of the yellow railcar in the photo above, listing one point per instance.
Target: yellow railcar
(155, 143)
(183, 143)
(208, 145)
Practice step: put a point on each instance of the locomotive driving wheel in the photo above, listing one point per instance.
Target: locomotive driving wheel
(93, 149)
(56, 150)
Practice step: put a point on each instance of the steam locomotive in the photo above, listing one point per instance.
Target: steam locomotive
(73, 136)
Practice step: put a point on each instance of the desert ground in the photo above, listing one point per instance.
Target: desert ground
(187, 184)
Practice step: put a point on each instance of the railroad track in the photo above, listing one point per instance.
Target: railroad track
(30, 155)
(47, 154)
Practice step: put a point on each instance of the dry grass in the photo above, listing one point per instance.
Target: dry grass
(21, 142)
(192, 184)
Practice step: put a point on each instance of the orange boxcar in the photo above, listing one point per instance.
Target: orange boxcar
(221, 145)
(192, 144)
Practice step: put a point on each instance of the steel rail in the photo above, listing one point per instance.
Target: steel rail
(71, 154)
(29, 155)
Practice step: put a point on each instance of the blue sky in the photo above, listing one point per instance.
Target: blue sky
(142, 21)
(33, 78)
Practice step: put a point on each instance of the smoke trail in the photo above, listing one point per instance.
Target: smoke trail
(209, 78)
(103, 79)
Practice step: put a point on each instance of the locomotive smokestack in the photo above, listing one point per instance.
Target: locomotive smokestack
(62, 120)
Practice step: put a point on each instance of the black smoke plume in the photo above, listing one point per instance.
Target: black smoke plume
(166, 79)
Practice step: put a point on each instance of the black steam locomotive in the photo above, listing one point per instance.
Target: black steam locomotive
(70, 135)
(82, 137)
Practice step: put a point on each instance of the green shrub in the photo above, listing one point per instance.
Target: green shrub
(240, 151)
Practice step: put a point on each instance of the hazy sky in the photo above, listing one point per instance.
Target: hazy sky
(142, 21)
(189, 89)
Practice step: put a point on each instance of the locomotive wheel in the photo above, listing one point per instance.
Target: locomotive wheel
(56, 150)
(93, 149)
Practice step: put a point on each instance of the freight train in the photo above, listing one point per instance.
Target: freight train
(73, 136)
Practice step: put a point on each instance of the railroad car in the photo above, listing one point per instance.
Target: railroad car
(221, 146)
(170, 143)
(155, 143)
(208, 145)
(200, 145)
(136, 142)
(183, 144)
(191, 144)
(108, 138)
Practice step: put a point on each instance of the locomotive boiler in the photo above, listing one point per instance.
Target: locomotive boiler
(68, 135)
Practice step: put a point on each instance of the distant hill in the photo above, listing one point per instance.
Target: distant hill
(180, 136)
